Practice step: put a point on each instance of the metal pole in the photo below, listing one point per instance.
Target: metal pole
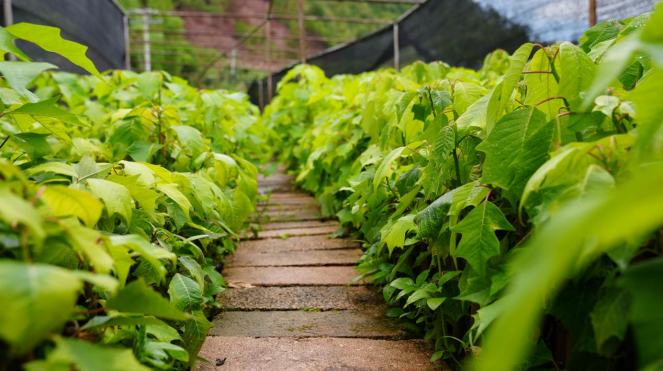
(9, 20)
(233, 63)
(147, 58)
(261, 99)
(268, 30)
(592, 13)
(302, 38)
(127, 41)
(397, 49)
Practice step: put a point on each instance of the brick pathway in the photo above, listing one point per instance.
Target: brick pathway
(288, 305)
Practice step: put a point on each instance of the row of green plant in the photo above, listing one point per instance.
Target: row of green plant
(512, 214)
(120, 194)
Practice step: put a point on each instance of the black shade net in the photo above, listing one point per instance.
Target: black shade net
(97, 24)
(462, 32)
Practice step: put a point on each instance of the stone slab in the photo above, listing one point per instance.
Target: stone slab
(328, 354)
(291, 276)
(273, 208)
(297, 243)
(280, 233)
(293, 298)
(242, 258)
(344, 323)
(303, 224)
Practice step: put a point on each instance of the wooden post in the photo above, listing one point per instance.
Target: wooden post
(147, 57)
(302, 38)
(9, 20)
(397, 49)
(592, 13)
(268, 30)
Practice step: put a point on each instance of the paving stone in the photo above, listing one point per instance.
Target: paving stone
(291, 276)
(345, 324)
(288, 207)
(292, 298)
(303, 224)
(243, 258)
(280, 233)
(324, 354)
(297, 243)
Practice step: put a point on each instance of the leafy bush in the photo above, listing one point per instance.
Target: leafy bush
(120, 195)
(522, 199)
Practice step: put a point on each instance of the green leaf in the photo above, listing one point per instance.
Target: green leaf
(434, 303)
(137, 297)
(560, 249)
(649, 114)
(16, 210)
(191, 138)
(147, 250)
(49, 39)
(195, 333)
(52, 167)
(479, 242)
(20, 74)
(542, 86)
(194, 269)
(36, 300)
(86, 356)
(185, 293)
(90, 243)
(610, 316)
(142, 151)
(403, 103)
(115, 196)
(501, 97)
(7, 45)
(174, 194)
(643, 282)
(431, 219)
(465, 94)
(384, 170)
(395, 235)
(475, 116)
(576, 75)
(516, 148)
(47, 108)
(65, 201)
(123, 320)
(149, 84)
(35, 145)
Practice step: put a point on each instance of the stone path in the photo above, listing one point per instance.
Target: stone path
(289, 305)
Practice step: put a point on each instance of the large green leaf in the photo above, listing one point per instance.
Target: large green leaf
(65, 201)
(191, 138)
(576, 75)
(195, 333)
(16, 210)
(36, 300)
(147, 250)
(185, 293)
(501, 96)
(610, 316)
(516, 148)
(49, 39)
(643, 282)
(7, 45)
(115, 196)
(85, 356)
(431, 219)
(649, 114)
(35, 145)
(20, 74)
(560, 249)
(394, 236)
(385, 170)
(47, 108)
(479, 242)
(137, 297)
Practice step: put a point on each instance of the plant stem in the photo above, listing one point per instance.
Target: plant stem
(5, 141)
